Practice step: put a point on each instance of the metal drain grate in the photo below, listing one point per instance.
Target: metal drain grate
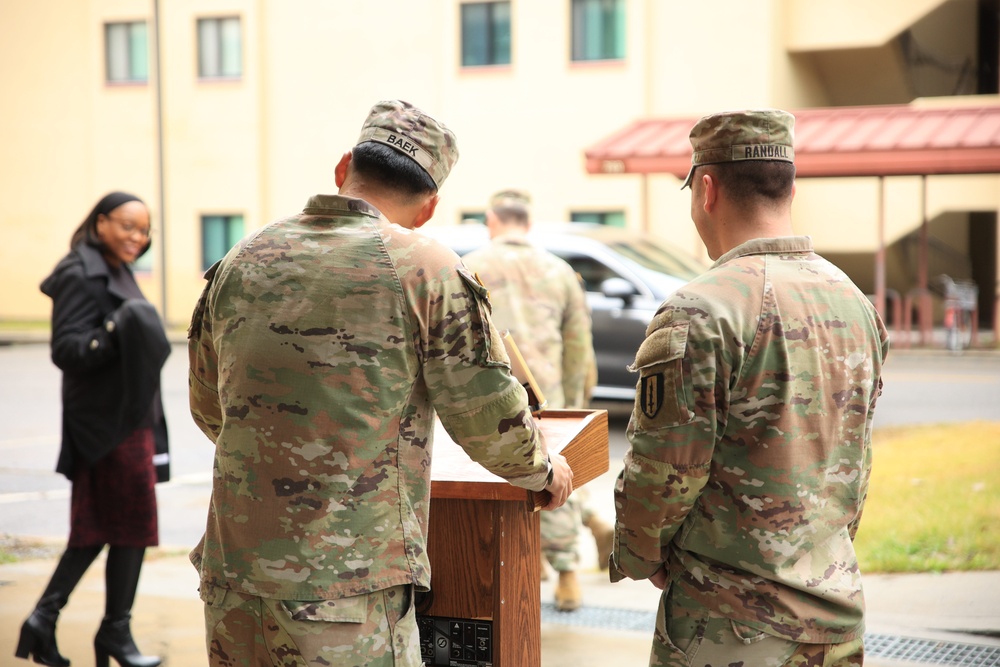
(600, 617)
(924, 651)
(930, 651)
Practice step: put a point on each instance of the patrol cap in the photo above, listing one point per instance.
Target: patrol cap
(510, 199)
(733, 136)
(413, 133)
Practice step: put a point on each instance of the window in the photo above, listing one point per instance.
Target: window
(126, 51)
(472, 218)
(609, 218)
(592, 271)
(598, 29)
(219, 48)
(485, 33)
(145, 263)
(219, 233)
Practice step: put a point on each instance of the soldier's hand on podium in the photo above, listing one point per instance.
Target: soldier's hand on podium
(562, 482)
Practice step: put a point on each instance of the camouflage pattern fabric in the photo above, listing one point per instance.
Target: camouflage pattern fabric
(561, 529)
(688, 634)
(751, 442)
(560, 534)
(539, 298)
(734, 136)
(413, 133)
(319, 352)
(374, 630)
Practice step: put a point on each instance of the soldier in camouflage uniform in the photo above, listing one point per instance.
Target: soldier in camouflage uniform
(540, 299)
(751, 434)
(319, 352)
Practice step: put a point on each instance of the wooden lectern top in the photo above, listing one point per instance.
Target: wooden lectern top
(579, 435)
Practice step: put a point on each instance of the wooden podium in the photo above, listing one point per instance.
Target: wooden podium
(484, 607)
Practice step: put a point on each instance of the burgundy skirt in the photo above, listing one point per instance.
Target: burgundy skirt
(115, 501)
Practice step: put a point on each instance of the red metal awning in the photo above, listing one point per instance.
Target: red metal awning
(840, 141)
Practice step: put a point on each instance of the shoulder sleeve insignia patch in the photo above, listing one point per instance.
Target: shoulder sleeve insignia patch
(651, 394)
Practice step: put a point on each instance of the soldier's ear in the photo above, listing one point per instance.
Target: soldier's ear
(340, 171)
(710, 192)
(426, 211)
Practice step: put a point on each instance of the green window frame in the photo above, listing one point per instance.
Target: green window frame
(472, 217)
(485, 33)
(219, 233)
(145, 263)
(126, 52)
(598, 29)
(607, 218)
(220, 48)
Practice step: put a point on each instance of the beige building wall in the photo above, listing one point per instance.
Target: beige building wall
(260, 145)
(849, 207)
(212, 139)
(850, 24)
(66, 138)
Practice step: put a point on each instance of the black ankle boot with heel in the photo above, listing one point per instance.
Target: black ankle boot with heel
(38, 633)
(38, 639)
(114, 640)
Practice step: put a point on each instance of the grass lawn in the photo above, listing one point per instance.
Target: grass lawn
(934, 500)
(24, 325)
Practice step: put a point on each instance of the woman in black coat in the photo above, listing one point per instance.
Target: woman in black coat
(110, 345)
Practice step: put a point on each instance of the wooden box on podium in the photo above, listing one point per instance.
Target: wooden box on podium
(484, 607)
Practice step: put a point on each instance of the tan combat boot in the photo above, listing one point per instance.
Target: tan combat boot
(604, 538)
(568, 591)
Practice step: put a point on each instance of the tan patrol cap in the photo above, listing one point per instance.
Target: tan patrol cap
(413, 133)
(733, 136)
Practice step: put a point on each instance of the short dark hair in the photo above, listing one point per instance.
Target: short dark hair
(755, 181)
(391, 169)
(512, 215)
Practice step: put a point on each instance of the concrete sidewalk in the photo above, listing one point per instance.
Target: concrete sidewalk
(936, 613)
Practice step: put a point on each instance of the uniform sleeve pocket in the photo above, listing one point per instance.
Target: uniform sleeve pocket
(642, 478)
(663, 392)
(342, 610)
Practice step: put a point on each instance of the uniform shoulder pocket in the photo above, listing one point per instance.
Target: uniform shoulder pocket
(663, 393)
(490, 350)
(198, 315)
(478, 288)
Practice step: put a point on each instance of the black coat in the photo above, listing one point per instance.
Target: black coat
(110, 345)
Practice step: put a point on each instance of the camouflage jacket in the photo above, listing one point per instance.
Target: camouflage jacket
(319, 352)
(751, 442)
(540, 299)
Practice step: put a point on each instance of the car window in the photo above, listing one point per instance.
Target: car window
(652, 255)
(590, 270)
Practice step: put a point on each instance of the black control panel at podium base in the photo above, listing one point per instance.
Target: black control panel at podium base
(455, 642)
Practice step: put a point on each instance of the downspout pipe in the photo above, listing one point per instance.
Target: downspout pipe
(161, 184)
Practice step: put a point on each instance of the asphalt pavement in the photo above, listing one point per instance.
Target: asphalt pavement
(931, 619)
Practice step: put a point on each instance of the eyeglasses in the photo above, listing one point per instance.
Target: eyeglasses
(130, 228)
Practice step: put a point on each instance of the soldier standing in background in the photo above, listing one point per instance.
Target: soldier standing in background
(751, 434)
(540, 299)
(320, 350)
